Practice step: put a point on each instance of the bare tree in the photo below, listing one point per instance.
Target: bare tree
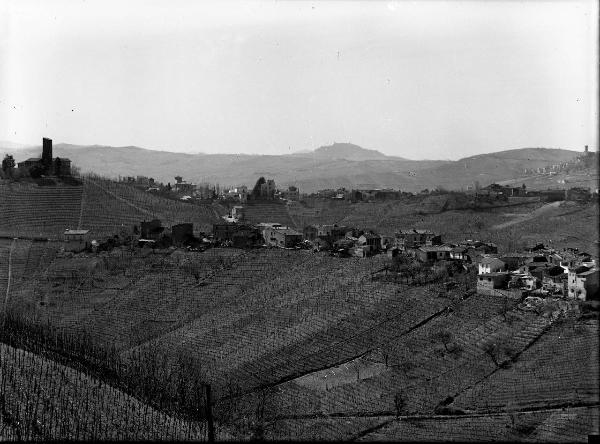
(399, 404)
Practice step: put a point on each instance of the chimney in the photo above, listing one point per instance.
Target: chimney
(47, 151)
(586, 148)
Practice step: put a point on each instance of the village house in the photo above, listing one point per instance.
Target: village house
(460, 253)
(515, 260)
(477, 247)
(370, 242)
(75, 240)
(246, 237)
(321, 244)
(487, 283)
(583, 283)
(555, 280)
(181, 186)
(283, 237)
(414, 238)
(523, 281)
(292, 193)
(151, 230)
(330, 232)
(491, 265)
(225, 231)
(182, 234)
(431, 254)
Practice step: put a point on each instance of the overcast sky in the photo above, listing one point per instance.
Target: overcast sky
(414, 79)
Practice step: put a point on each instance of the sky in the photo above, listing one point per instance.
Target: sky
(421, 80)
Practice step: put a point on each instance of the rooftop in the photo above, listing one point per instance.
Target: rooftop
(589, 272)
(491, 260)
(435, 248)
(76, 232)
(289, 231)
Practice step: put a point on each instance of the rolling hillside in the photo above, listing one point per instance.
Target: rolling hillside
(337, 165)
(99, 205)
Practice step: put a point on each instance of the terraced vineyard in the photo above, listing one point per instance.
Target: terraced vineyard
(561, 368)
(268, 211)
(29, 210)
(109, 205)
(100, 205)
(43, 400)
(318, 346)
(558, 425)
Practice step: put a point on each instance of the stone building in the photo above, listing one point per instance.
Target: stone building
(58, 166)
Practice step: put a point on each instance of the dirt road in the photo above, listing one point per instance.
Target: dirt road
(522, 217)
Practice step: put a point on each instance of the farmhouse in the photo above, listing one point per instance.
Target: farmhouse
(478, 247)
(181, 186)
(433, 253)
(281, 237)
(523, 281)
(491, 265)
(459, 254)
(226, 231)
(331, 232)
(414, 238)
(292, 193)
(151, 230)
(488, 282)
(583, 283)
(515, 260)
(75, 240)
(182, 233)
(246, 237)
(370, 242)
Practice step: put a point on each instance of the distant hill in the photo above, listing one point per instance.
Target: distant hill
(333, 166)
(6, 145)
(492, 167)
(347, 151)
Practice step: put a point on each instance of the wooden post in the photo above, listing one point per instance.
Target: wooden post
(209, 417)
